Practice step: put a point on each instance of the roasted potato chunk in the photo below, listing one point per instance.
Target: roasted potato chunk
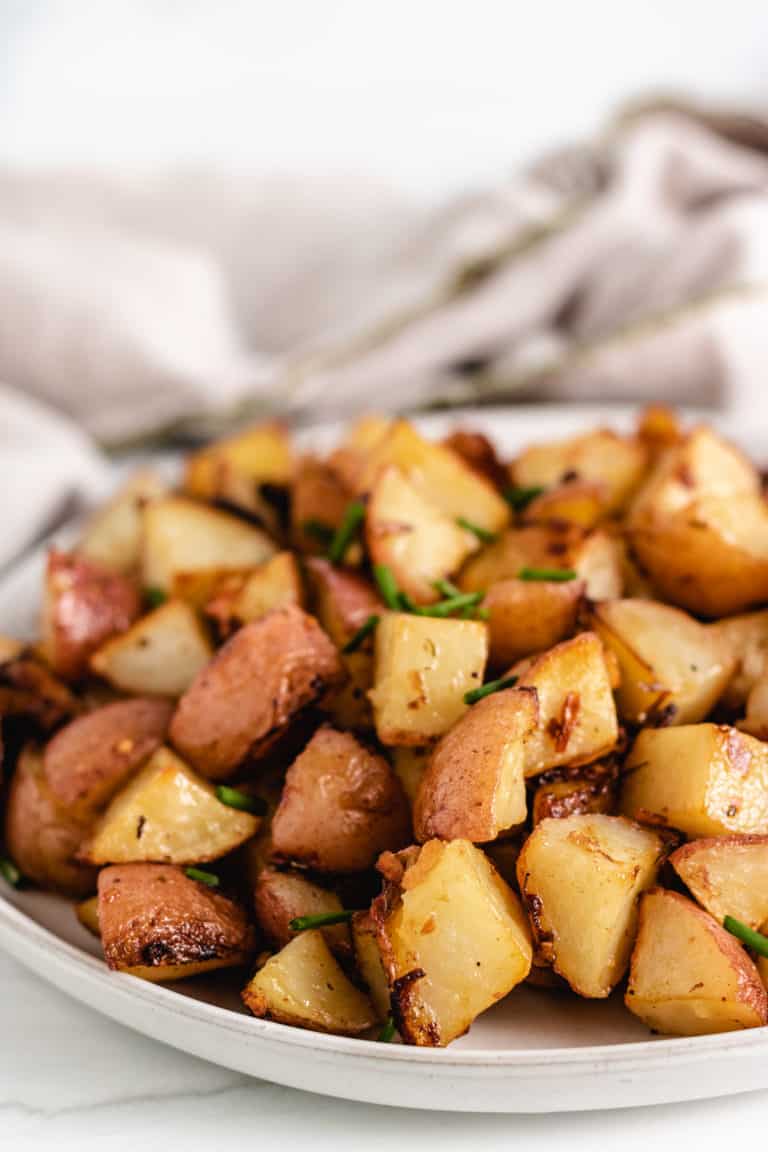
(746, 639)
(113, 537)
(255, 685)
(453, 938)
(29, 689)
(341, 806)
(616, 462)
(690, 977)
(704, 779)
(368, 962)
(423, 667)
(474, 785)
(530, 616)
(280, 897)
(169, 815)
(242, 599)
(580, 878)
(303, 985)
(158, 924)
(240, 469)
(728, 875)
(160, 654)
(672, 667)
(577, 502)
(318, 496)
(576, 790)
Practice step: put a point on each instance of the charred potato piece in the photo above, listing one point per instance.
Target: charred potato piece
(580, 878)
(252, 689)
(704, 779)
(604, 457)
(453, 938)
(83, 606)
(728, 875)
(242, 599)
(160, 654)
(474, 785)
(158, 924)
(167, 814)
(530, 616)
(113, 537)
(280, 897)
(478, 452)
(303, 985)
(576, 791)
(29, 689)
(341, 806)
(689, 977)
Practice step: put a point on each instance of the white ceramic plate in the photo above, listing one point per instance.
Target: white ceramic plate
(536, 1052)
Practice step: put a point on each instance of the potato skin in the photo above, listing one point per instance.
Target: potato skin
(249, 693)
(527, 617)
(86, 762)
(341, 806)
(279, 897)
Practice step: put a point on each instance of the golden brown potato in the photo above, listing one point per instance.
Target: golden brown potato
(198, 587)
(453, 938)
(351, 454)
(318, 496)
(704, 779)
(280, 897)
(728, 875)
(252, 689)
(579, 502)
(474, 785)
(242, 599)
(89, 760)
(572, 791)
(369, 963)
(303, 985)
(580, 878)
(478, 452)
(616, 462)
(167, 815)
(113, 537)
(746, 638)
(423, 667)
(690, 977)
(87, 912)
(240, 469)
(83, 605)
(672, 667)
(29, 689)
(158, 924)
(342, 805)
(161, 654)
(42, 838)
(659, 429)
(528, 616)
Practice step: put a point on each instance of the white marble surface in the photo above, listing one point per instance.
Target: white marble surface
(68, 1076)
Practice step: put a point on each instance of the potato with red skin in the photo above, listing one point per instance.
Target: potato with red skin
(86, 762)
(257, 683)
(527, 616)
(280, 897)
(341, 806)
(83, 606)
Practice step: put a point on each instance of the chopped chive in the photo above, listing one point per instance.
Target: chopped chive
(489, 688)
(756, 941)
(452, 604)
(555, 575)
(483, 535)
(446, 588)
(321, 532)
(406, 603)
(243, 801)
(483, 614)
(346, 532)
(321, 920)
(387, 585)
(202, 877)
(155, 596)
(9, 872)
(388, 1032)
(363, 632)
(520, 498)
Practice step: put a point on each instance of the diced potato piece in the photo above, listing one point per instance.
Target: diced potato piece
(746, 637)
(29, 689)
(474, 786)
(167, 814)
(113, 537)
(728, 875)
(280, 897)
(341, 806)
(83, 605)
(528, 616)
(671, 665)
(158, 924)
(183, 536)
(196, 588)
(576, 790)
(369, 963)
(689, 977)
(423, 666)
(410, 764)
(234, 470)
(479, 453)
(575, 502)
(351, 455)
(412, 536)
(342, 600)
(440, 475)
(318, 496)
(577, 714)
(580, 878)
(161, 654)
(253, 688)
(454, 941)
(303, 985)
(87, 912)
(705, 779)
(246, 598)
(602, 456)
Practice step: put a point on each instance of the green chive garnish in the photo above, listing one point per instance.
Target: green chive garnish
(452, 604)
(406, 603)
(387, 585)
(202, 877)
(155, 596)
(446, 588)
(322, 920)
(483, 535)
(755, 940)
(362, 634)
(489, 688)
(556, 575)
(520, 498)
(388, 1031)
(321, 532)
(346, 532)
(482, 614)
(243, 801)
(9, 872)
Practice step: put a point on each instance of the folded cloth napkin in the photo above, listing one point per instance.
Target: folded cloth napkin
(634, 266)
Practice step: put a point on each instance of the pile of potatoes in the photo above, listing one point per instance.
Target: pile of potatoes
(395, 731)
